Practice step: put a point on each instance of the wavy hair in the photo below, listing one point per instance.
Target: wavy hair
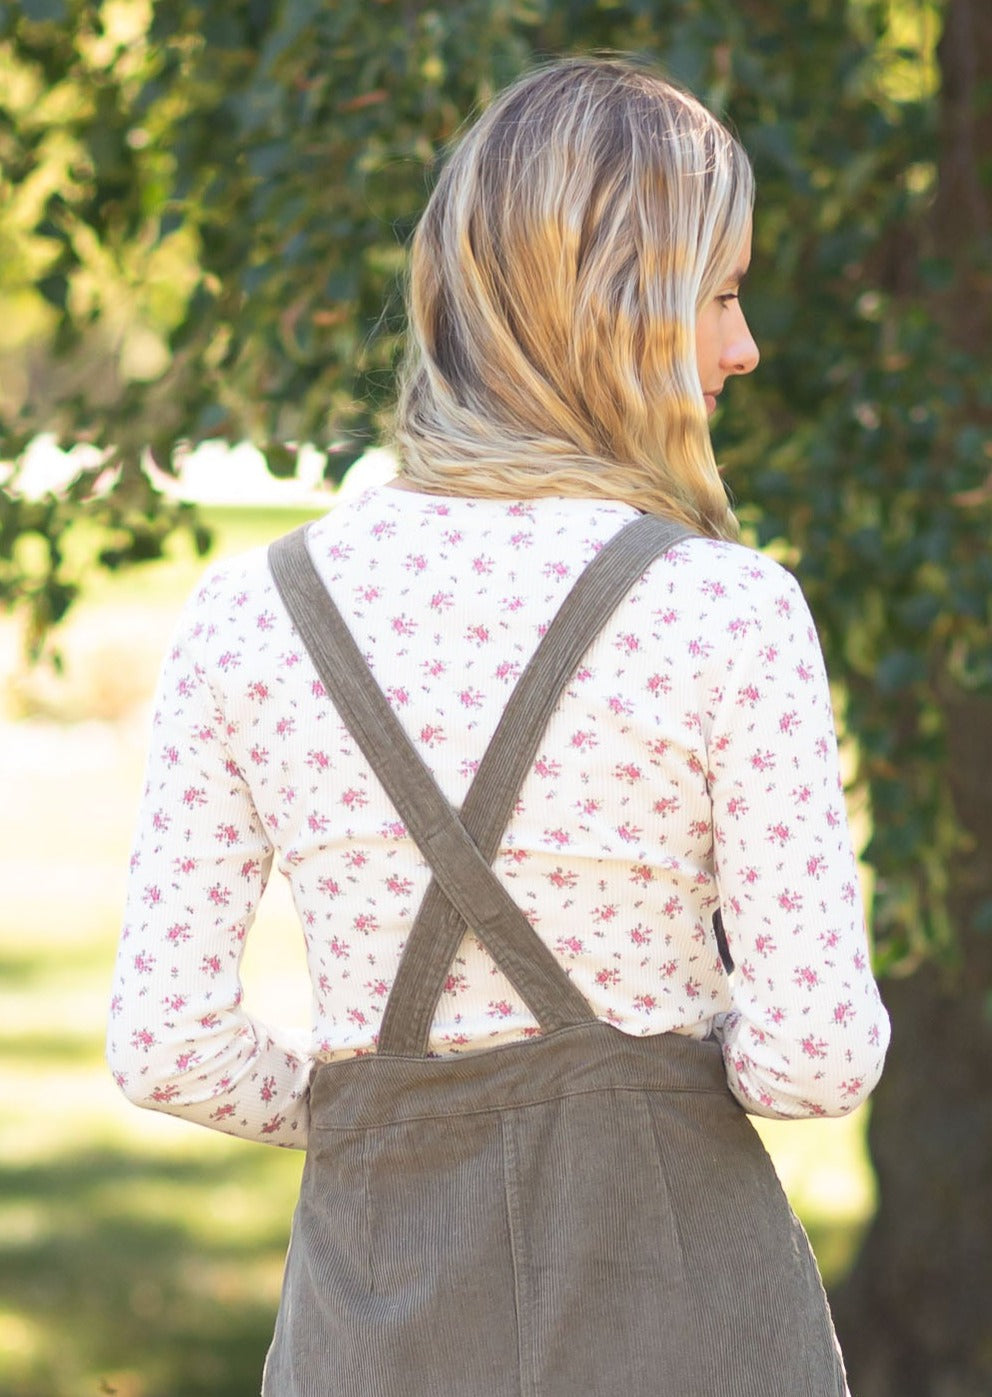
(555, 280)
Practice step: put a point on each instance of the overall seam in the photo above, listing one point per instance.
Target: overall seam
(518, 1106)
(367, 1191)
(522, 1297)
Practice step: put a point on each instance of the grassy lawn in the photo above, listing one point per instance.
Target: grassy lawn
(140, 1256)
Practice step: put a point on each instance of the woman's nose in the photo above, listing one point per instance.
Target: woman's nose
(740, 355)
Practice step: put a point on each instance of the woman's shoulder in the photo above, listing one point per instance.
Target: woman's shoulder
(732, 571)
(233, 580)
(233, 603)
(724, 600)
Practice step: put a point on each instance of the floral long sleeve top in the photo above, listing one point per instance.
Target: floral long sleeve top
(691, 764)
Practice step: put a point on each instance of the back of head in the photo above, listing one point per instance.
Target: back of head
(555, 281)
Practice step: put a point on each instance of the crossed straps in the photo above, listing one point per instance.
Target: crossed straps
(460, 847)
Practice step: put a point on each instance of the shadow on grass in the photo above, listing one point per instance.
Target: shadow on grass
(144, 1277)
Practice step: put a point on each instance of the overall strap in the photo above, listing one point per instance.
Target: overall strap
(485, 812)
(459, 851)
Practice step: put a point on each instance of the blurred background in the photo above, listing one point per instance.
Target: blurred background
(204, 209)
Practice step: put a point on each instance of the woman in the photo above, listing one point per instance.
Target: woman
(586, 1209)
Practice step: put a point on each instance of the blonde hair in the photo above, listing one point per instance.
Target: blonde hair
(555, 281)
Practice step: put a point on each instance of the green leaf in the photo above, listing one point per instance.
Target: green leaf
(44, 11)
(280, 460)
(899, 670)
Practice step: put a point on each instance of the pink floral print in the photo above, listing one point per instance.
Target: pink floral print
(691, 764)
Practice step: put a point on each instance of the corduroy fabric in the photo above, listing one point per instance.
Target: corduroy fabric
(583, 1214)
(580, 1215)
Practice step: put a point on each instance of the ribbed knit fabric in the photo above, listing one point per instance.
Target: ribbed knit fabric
(689, 765)
(587, 1213)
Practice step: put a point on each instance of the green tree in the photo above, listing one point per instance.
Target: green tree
(204, 210)
(913, 1311)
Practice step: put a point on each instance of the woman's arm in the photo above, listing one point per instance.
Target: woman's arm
(179, 1040)
(807, 1033)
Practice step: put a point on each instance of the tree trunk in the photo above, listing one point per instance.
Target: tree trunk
(914, 1315)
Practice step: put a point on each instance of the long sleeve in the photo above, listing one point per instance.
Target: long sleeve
(691, 762)
(807, 1032)
(179, 1039)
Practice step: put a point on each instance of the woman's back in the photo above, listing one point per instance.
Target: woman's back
(691, 762)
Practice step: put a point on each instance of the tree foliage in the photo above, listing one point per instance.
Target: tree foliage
(204, 214)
